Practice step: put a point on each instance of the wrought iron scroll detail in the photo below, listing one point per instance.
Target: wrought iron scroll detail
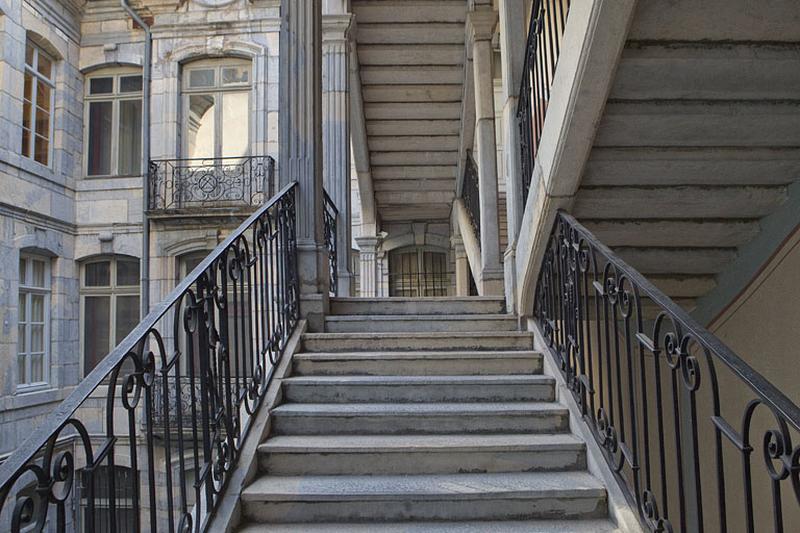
(677, 414)
(330, 221)
(213, 182)
(470, 194)
(173, 403)
(545, 32)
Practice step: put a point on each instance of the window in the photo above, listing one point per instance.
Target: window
(33, 341)
(216, 108)
(110, 305)
(123, 519)
(37, 105)
(114, 123)
(417, 272)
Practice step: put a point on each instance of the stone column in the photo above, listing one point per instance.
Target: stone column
(462, 266)
(301, 146)
(481, 25)
(368, 266)
(512, 54)
(336, 131)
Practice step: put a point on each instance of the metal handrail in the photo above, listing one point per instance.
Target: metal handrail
(239, 307)
(470, 194)
(622, 346)
(330, 221)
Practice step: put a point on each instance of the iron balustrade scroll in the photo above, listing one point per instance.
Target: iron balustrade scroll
(545, 32)
(173, 403)
(210, 182)
(470, 194)
(330, 220)
(677, 414)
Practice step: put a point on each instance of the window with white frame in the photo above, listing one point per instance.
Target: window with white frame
(37, 104)
(33, 337)
(114, 122)
(109, 305)
(216, 108)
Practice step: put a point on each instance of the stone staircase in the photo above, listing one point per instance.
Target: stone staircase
(421, 415)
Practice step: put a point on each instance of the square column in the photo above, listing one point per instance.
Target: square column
(300, 157)
(461, 266)
(368, 266)
(336, 134)
(481, 24)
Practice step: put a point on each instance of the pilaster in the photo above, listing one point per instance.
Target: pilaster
(368, 266)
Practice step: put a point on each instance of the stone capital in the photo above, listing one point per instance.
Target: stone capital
(368, 243)
(481, 24)
(337, 28)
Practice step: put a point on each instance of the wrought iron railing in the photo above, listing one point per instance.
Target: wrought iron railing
(470, 194)
(222, 330)
(677, 414)
(545, 32)
(213, 182)
(330, 218)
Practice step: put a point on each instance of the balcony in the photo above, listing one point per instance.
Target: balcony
(179, 186)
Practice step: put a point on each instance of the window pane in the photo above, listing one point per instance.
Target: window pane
(23, 308)
(127, 272)
(41, 150)
(42, 123)
(127, 315)
(43, 96)
(201, 78)
(235, 75)
(130, 137)
(200, 126)
(23, 270)
(100, 121)
(37, 308)
(37, 368)
(37, 273)
(98, 274)
(96, 327)
(130, 84)
(37, 338)
(101, 85)
(45, 66)
(28, 88)
(26, 142)
(29, 52)
(22, 373)
(22, 342)
(235, 124)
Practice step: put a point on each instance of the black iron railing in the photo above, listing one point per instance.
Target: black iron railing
(677, 413)
(545, 32)
(213, 182)
(330, 218)
(211, 346)
(470, 194)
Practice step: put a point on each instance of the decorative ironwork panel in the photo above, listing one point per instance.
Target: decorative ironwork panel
(545, 32)
(173, 403)
(470, 193)
(214, 182)
(677, 414)
(330, 219)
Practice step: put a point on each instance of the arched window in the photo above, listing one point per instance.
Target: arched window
(114, 122)
(216, 108)
(418, 271)
(109, 305)
(37, 104)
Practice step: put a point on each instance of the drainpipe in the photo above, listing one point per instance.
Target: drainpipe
(145, 261)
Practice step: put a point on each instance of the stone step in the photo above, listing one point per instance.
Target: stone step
(419, 454)
(471, 305)
(418, 418)
(348, 342)
(354, 389)
(419, 323)
(508, 526)
(418, 363)
(426, 497)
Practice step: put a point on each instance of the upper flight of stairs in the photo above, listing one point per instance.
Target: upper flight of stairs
(699, 140)
(406, 419)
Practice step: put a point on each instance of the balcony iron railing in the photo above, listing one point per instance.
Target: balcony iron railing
(330, 220)
(223, 329)
(470, 194)
(177, 184)
(545, 32)
(677, 414)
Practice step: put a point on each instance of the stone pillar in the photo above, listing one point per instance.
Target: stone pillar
(462, 266)
(481, 25)
(368, 266)
(300, 157)
(336, 131)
